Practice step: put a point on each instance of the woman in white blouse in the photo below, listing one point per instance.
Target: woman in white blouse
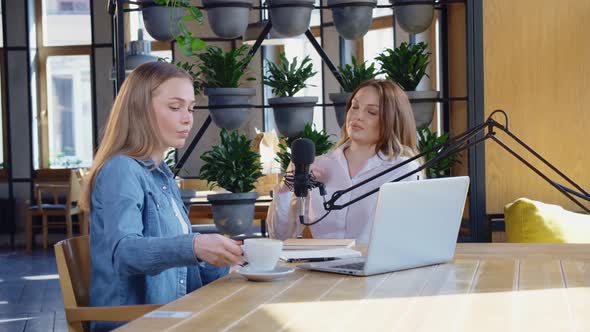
(379, 132)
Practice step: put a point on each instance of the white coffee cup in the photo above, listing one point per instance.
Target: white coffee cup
(262, 254)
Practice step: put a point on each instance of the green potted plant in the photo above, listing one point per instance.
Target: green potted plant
(428, 140)
(228, 19)
(406, 65)
(165, 20)
(235, 167)
(352, 18)
(352, 76)
(320, 139)
(219, 74)
(286, 79)
(413, 18)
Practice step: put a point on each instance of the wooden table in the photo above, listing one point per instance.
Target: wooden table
(488, 287)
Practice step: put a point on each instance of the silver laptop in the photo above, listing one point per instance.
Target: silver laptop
(416, 224)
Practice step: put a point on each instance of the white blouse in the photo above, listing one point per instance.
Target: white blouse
(353, 221)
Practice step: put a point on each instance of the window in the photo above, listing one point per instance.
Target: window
(58, 19)
(69, 111)
(375, 41)
(159, 49)
(1, 91)
(63, 121)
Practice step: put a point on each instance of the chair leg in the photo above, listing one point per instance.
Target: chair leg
(29, 232)
(83, 221)
(45, 232)
(69, 225)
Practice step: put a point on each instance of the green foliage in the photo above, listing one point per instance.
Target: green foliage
(405, 65)
(187, 43)
(428, 140)
(232, 164)
(355, 75)
(286, 79)
(320, 138)
(219, 69)
(170, 159)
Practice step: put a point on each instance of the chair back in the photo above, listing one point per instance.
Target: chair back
(73, 265)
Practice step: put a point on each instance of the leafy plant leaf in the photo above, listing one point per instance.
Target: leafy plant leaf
(232, 164)
(405, 65)
(288, 78)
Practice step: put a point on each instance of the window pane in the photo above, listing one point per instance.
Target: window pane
(136, 23)
(374, 42)
(315, 16)
(69, 111)
(167, 54)
(66, 22)
(379, 12)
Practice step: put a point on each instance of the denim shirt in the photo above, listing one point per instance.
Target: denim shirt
(139, 253)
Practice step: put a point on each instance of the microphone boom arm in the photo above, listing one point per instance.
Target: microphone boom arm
(460, 143)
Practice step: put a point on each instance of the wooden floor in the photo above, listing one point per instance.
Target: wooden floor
(30, 296)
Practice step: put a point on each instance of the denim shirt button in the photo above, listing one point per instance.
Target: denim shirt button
(181, 281)
(164, 187)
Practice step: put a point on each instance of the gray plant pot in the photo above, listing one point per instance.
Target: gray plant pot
(228, 21)
(352, 18)
(290, 21)
(232, 117)
(161, 21)
(233, 213)
(413, 18)
(292, 113)
(339, 100)
(423, 111)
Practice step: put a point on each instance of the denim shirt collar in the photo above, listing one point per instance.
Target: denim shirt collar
(151, 165)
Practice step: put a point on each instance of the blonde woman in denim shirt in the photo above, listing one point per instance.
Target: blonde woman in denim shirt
(141, 246)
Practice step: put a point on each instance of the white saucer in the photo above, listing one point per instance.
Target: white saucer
(254, 275)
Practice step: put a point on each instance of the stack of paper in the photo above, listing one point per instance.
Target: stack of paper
(317, 244)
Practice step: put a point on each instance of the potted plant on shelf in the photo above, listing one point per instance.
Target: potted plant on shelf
(428, 140)
(165, 20)
(286, 79)
(235, 167)
(320, 139)
(228, 18)
(219, 75)
(406, 65)
(352, 76)
(290, 18)
(413, 18)
(352, 18)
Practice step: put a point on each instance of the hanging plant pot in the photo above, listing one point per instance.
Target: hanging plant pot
(290, 18)
(340, 100)
(413, 18)
(423, 110)
(161, 21)
(228, 18)
(292, 113)
(232, 117)
(352, 18)
(233, 213)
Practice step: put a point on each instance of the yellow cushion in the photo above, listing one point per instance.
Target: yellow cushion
(531, 221)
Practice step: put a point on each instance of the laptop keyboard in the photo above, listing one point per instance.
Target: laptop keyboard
(352, 266)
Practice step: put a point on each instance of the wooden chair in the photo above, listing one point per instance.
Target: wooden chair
(73, 264)
(62, 187)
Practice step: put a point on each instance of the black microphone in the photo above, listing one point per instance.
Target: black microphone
(302, 156)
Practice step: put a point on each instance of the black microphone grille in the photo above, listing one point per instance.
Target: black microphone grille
(302, 151)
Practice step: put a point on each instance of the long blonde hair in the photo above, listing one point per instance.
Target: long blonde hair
(397, 127)
(132, 128)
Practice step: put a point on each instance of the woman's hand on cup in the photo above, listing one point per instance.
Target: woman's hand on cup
(218, 250)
